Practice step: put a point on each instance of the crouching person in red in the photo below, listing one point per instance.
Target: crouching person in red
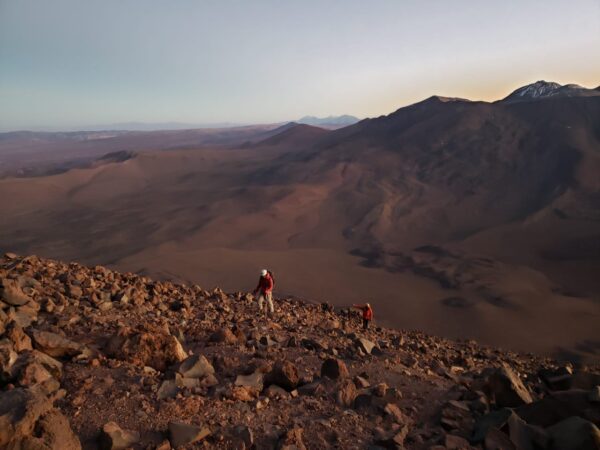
(367, 314)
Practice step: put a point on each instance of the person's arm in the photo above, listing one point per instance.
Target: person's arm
(257, 287)
(269, 284)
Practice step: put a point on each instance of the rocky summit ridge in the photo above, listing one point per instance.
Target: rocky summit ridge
(91, 358)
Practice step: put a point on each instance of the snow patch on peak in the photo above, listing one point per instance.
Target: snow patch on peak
(538, 89)
(544, 89)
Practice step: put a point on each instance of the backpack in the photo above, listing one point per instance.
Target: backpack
(272, 277)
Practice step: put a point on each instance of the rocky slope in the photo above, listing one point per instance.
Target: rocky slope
(91, 358)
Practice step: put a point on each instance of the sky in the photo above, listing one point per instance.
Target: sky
(67, 64)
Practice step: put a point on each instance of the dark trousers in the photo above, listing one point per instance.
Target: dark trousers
(365, 324)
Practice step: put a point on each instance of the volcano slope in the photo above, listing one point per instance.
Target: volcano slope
(91, 358)
(465, 219)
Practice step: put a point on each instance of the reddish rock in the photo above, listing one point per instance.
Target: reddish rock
(152, 348)
(292, 440)
(346, 393)
(55, 345)
(12, 294)
(18, 337)
(224, 335)
(284, 374)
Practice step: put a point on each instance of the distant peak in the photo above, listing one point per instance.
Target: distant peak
(443, 99)
(538, 89)
(437, 99)
(544, 89)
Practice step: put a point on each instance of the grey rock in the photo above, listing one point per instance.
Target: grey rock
(196, 366)
(574, 433)
(254, 380)
(507, 388)
(168, 389)
(365, 345)
(181, 433)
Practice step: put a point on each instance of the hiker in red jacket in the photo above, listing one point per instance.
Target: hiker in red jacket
(265, 290)
(367, 313)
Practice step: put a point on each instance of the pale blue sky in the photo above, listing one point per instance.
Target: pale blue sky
(72, 63)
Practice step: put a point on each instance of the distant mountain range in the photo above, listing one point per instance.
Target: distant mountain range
(534, 91)
(155, 126)
(330, 121)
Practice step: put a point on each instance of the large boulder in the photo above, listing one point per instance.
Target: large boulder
(507, 389)
(52, 432)
(55, 345)
(146, 347)
(12, 294)
(284, 374)
(574, 433)
(28, 421)
(31, 368)
(558, 406)
(335, 369)
(52, 365)
(505, 429)
(33, 374)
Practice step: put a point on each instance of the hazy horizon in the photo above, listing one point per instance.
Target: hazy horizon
(68, 65)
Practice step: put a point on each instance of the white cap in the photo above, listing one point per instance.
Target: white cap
(263, 273)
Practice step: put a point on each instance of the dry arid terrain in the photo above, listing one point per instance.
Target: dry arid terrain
(462, 219)
(95, 359)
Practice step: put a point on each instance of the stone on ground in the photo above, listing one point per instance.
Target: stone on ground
(507, 388)
(114, 437)
(181, 433)
(335, 369)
